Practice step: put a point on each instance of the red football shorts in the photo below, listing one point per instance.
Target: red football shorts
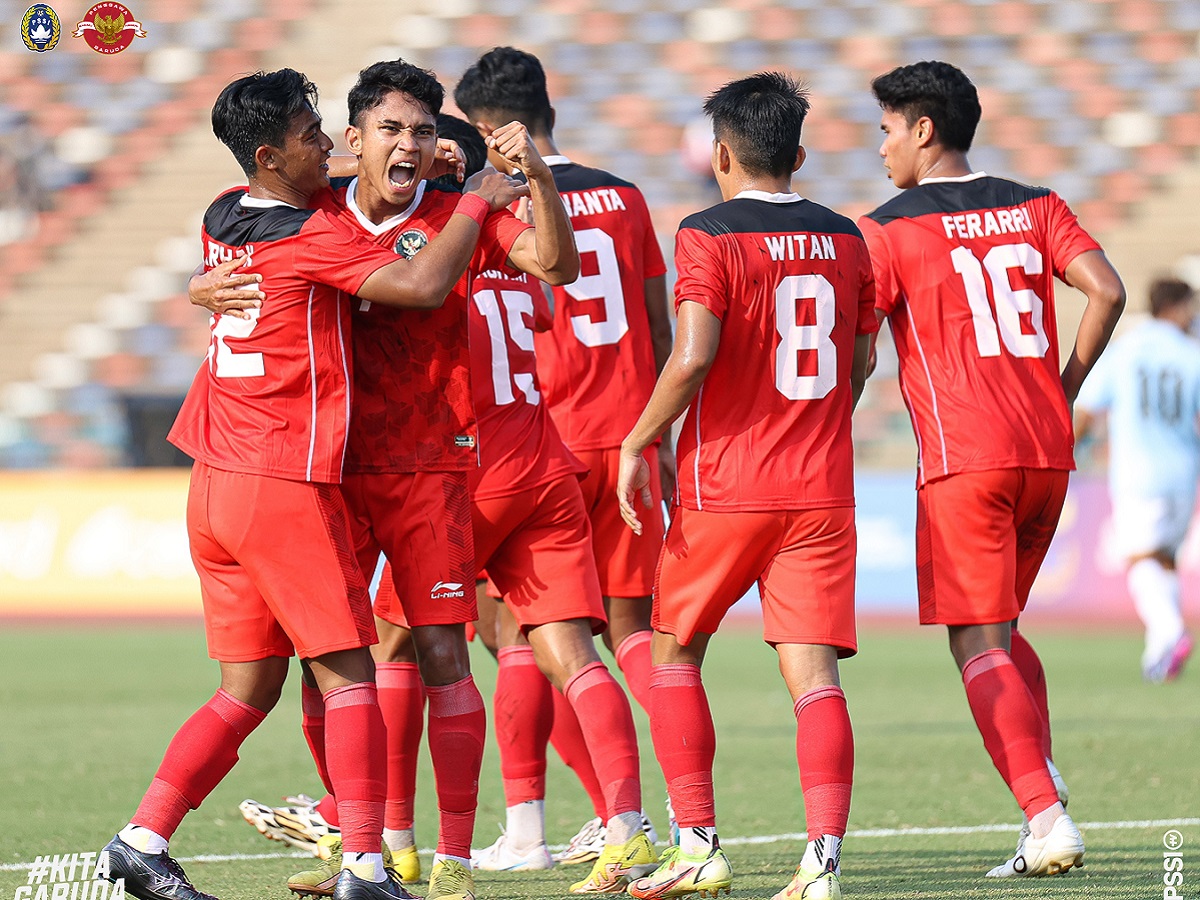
(981, 538)
(537, 548)
(276, 567)
(802, 560)
(421, 521)
(625, 561)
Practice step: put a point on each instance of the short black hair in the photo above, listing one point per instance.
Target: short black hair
(760, 118)
(1168, 292)
(469, 140)
(257, 109)
(935, 89)
(509, 81)
(377, 81)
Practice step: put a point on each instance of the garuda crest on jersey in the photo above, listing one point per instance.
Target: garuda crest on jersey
(410, 242)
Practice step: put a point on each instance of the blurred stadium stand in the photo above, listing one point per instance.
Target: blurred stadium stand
(107, 162)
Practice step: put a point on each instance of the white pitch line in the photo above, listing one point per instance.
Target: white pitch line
(743, 841)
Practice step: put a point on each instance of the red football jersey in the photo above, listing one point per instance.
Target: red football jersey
(412, 401)
(273, 397)
(964, 269)
(791, 283)
(519, 447)
(596, 364)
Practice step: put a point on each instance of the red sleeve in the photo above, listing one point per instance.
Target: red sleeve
(543, 315)
(886, 289)
(328, 251)
(1065, 237)
(653, 263)
(500, 231)
(868, 322)
(699, 272)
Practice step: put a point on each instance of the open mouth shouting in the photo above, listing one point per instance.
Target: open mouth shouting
(402, 176)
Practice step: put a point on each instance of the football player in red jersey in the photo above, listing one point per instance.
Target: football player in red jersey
(964, 267)
(597, 365)
(266, 420)
(775, 307)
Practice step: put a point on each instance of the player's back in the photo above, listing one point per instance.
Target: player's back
(1149, 381)
(596, 364)
(965, 270)
(273, 396)
(770, 427)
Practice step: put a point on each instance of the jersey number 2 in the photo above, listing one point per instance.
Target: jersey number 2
(1018, 319)
(236, 365)
(795, 338)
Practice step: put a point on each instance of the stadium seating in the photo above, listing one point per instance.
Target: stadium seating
(1097, 98)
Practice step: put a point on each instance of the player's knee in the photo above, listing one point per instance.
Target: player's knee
(442, 654)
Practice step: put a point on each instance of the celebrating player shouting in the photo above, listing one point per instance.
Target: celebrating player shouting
(964, 267)
(775, 312)
(267, 421)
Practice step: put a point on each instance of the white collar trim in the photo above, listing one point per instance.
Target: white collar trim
(556, 159)
(389, 223)
(957, 179)
(766, 197)
(262, 202)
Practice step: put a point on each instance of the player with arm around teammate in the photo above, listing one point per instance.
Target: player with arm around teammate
(1148, 385)
(964, 267)
(775, 307)
(266, 420)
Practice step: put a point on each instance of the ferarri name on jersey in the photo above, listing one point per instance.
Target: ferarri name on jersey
(987, 223)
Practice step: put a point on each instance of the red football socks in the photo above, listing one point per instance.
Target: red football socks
(607, 724)
(457, 725)
(569, 743)
(685, 742)
(633, 658)
(356, 753)
(402, 702)
(825, 753)
(1008, 721)
(523, 712)
(202, 752)
(1030, 666)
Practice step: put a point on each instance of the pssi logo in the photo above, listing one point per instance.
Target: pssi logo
(40, 28)
(109, 27)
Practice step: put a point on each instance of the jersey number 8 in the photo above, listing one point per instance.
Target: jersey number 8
(795, 338)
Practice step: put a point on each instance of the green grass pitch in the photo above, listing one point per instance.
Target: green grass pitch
(87, 713)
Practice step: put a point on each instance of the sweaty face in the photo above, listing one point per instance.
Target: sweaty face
(899, 149)
(395, 144)
(304, 157)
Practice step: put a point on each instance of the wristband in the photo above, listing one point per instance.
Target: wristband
(474, 207)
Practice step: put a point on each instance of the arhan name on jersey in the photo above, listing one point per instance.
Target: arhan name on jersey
(999, 221)
(220, 253)
(800, 246)
(590, 203)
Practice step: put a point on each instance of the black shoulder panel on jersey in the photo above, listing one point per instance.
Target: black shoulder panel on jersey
(341, 182)
(574, 177)
(438, 186)
(956, 197)
(747, 216)
(235, 225)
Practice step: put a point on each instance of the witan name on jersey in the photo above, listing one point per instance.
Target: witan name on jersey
(993, 221)
(588, 203)
(800, 246)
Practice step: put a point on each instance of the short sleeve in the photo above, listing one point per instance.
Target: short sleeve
(328, 251)
(700, 273)
(868, 321)
(1066, 238)
(500, 231)
(886, 288)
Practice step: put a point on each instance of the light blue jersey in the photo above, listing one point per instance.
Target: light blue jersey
(1148, 381)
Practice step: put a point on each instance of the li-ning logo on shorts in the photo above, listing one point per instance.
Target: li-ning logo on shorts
(447, 590)
(40, 28)
(410, 242)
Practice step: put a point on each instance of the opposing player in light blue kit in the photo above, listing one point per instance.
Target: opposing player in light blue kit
(1149, 385)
